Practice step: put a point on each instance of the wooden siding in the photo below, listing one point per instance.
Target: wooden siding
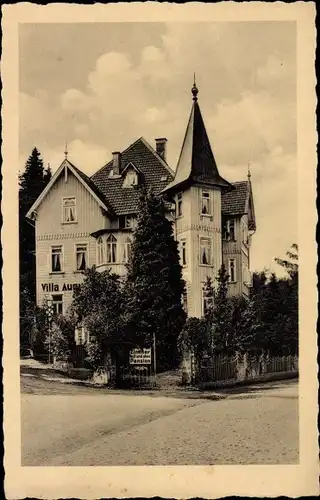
(192, 226)
(89, 215)
(50, 230)
(239, 250)
(69, 275)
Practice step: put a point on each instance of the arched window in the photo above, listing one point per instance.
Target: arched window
(127, 249)
(100, 251)
(111, 249)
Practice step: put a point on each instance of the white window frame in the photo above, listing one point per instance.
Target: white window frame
(111, 243)
(127, 243)
(234, 267)
(86, 246)
(184, 257)
(64, 218)
(179, 205)
(206, 195)
(57, 302)
(201, 239)
(101, 251)
(55, 247)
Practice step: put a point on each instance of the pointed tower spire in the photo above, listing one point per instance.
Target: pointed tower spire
(249, 173)
(196, 163)
(66, 151)
(194, 89)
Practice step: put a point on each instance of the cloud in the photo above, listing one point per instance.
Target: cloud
(246, 79)
(257, 123)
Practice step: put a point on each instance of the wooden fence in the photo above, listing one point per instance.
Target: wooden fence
(220, 368)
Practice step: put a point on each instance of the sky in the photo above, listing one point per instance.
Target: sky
(101, 86)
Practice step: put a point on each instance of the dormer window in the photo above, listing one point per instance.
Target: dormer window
(69, 214)
(131, 179)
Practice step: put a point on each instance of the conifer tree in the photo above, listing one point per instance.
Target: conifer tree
(154, 282)
(31, 183)
(221, 314)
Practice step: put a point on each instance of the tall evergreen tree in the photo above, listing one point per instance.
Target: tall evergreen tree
(221, 314)
(154, 282)
(31, 183)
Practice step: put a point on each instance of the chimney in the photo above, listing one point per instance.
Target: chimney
(116, 163)
(161, 147)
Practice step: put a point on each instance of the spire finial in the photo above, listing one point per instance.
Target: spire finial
(66, 151)
(249, 173)
(194, 89)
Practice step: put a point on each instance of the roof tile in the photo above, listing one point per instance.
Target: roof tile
(155, 175)
(235, 202)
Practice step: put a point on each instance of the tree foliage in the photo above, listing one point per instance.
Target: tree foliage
(60, 338)
(154, 285)
(266, 321)
(99, 305)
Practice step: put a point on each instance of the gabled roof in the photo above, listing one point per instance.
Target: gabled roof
(131, 165)
(83, 178)
(196, 163)
(152, 167)
(239, 201)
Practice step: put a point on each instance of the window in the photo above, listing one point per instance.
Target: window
(206, 302)
(128, 221)
(57, 304)
(100, 251)
(179, 205)
(111, 249)
(56, 259)
(127, 250)
(205, 251)
(81, 257)
(229, 232)
(185, 301)
(232, 270)
(131, 179)
(69, 210)
(205, 203)
(184, 252)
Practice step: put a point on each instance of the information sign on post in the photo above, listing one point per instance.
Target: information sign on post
(140, 356)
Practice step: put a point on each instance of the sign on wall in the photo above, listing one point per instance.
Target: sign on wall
(140, 357)
(53, 287)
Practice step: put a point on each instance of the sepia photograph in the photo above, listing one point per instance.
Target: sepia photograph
(159, 249)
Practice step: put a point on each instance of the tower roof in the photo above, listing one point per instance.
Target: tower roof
(196, 163)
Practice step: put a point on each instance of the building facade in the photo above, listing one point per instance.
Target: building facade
(82, 221)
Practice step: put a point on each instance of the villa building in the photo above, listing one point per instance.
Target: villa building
(82, 221)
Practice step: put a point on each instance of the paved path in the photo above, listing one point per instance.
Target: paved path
(256, 427)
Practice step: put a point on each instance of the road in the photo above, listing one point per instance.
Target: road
(257, 426)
